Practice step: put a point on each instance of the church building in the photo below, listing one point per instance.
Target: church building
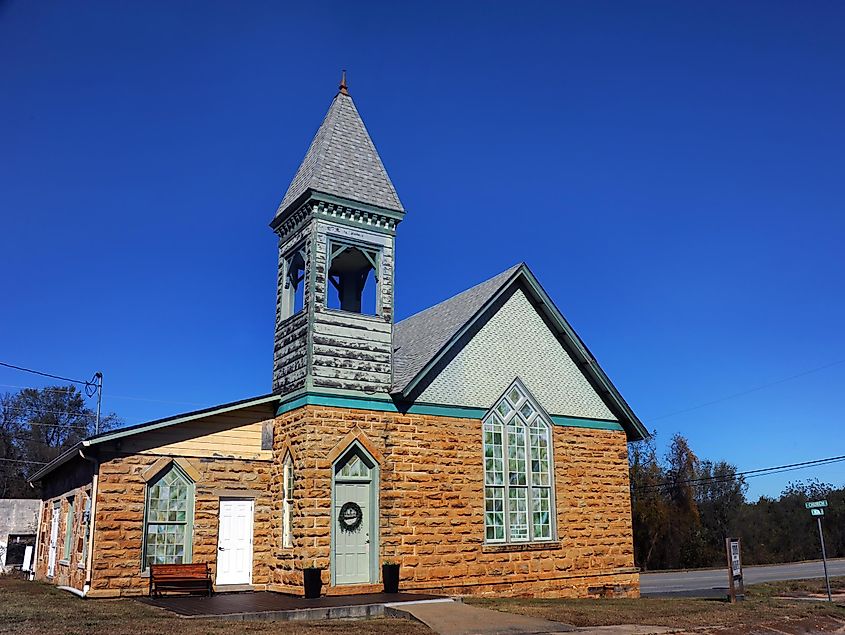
(478, 444)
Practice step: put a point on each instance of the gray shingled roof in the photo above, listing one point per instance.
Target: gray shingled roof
(343, 161)
(418, 339)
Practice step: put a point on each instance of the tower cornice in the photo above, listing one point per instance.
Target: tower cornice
(337, 209)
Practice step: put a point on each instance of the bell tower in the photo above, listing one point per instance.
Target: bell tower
(336, 227)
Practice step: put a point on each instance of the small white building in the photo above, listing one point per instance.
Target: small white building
(18, 526)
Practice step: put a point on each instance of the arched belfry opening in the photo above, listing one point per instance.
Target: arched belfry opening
(353, 274)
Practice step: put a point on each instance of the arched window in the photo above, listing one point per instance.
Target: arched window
(287, 501)
(518, 480)
(168, 531)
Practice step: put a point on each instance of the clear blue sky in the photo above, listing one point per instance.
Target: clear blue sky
(672, 172)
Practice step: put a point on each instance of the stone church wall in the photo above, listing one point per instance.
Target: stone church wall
(120, 521)
(431, 507)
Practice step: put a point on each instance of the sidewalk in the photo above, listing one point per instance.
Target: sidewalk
(448, 617)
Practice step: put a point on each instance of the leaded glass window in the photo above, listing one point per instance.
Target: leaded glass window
(354, 468)
(167, 531)
(518, 483)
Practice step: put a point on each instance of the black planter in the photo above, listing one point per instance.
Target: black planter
(390, 577)
(313, 583)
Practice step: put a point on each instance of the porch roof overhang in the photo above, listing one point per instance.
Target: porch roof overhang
(112, 435)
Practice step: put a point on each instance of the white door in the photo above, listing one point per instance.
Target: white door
(352, 547)
(234, 542)
(54, 539)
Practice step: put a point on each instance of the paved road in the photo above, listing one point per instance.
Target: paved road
(708, 580)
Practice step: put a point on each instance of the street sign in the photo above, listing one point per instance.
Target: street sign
(817, 511)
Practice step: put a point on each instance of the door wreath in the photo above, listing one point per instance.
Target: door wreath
(350, 517)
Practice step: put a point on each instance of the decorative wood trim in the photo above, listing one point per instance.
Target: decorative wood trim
(164, 462)
(455, 412)
(355, 435)
(286, 449)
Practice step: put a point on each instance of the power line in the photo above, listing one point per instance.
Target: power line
(179, 403)
(111, 396)
(23, 461)
(748, 391)
(43, 374)
(53, 425)
(72, 413)
(748, 473)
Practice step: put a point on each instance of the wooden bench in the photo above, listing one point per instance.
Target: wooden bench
(180, 577)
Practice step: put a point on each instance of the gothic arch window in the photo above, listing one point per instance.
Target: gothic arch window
(287, 502)
(518, 475)
(168, 518)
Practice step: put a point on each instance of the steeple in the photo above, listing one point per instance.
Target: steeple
(342, 162)
(336, 227)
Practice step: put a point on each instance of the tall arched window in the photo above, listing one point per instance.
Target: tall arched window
(518, 479)
(287, 502)
(168, 531)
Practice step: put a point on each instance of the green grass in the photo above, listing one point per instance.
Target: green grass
(798, 588)
(761, 609)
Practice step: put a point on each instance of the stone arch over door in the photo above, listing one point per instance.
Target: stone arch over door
(355, 515)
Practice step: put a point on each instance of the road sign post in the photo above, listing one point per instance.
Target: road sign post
(736, 584)
(817, 510)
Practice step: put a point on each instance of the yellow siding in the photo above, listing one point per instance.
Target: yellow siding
(229, 435)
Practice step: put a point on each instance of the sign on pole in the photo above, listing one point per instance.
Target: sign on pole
(815, 504)
(817, 510)
(736, 584)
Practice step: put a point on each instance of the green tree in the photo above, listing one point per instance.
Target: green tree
(720, 496)
(38, 424)
(649, 509)
(683, 540)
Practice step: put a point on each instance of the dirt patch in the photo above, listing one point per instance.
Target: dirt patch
(760, 613)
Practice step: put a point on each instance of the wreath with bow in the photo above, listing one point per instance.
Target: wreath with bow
(350, 517)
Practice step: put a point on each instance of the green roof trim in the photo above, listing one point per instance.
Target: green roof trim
(437, 410)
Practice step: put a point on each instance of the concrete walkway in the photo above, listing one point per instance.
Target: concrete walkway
(448, 617)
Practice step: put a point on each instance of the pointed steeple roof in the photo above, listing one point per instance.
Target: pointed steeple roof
(342, 161)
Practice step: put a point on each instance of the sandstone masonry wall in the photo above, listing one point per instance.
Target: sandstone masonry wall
(69, 572)
(119, 520)
(431, 507)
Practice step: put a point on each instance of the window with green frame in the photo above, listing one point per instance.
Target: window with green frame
(168, 524)
(68, 530)
(518, 474)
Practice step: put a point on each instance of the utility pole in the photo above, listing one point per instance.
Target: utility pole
(98, 379)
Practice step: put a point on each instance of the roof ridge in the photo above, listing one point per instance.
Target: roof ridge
(326, 140)
(509, 270)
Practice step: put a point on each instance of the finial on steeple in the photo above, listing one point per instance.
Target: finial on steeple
(343, 88)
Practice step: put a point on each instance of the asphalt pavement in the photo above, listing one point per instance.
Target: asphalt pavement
(714, 582)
